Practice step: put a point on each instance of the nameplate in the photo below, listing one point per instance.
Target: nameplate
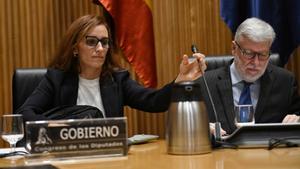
(92, 136)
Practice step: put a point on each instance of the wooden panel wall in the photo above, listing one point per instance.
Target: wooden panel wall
(31, 29)
(29, 34)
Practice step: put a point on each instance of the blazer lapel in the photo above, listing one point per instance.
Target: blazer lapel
(225, 93)
(110, 96)
(69, 90)
(266, 83)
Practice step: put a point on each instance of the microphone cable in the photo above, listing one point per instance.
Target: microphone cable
(217, 123)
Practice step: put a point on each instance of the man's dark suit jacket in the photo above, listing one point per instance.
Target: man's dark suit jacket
(278, 96)
(117, 90)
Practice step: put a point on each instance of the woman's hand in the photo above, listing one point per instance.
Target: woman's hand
(191, 71)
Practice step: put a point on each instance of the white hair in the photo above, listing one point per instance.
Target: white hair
(256, 30)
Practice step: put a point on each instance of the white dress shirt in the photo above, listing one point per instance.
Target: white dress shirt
(237, 87)
(89, 93)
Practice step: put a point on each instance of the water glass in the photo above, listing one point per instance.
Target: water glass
(12, 129)
(244, 115)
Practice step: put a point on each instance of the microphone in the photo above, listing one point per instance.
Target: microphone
(217, 123)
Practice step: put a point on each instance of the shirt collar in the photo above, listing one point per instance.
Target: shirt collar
(235, 76)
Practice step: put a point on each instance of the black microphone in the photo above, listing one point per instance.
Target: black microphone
(217, 123)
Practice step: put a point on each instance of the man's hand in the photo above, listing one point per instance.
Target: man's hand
(212, 129)
(291, 118)
(191, 71)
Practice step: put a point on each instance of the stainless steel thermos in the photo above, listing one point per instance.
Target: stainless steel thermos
(187, 127)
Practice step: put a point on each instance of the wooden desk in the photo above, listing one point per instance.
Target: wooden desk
(153, 155)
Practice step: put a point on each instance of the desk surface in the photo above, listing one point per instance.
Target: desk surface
(153, 155)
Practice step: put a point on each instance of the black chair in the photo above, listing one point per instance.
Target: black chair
(214, 62)
(25, 80)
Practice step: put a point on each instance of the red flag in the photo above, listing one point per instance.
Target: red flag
(134, 31)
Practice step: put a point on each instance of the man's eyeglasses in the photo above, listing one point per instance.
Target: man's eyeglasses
(93, 41)
(250, 54)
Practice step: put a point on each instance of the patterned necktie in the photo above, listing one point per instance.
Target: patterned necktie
(245, 97)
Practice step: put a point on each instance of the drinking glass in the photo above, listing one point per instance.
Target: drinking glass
(244, 115)
(12, 129)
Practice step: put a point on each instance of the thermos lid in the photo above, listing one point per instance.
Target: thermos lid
(186, 91)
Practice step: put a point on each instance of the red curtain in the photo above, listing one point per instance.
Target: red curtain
(134, 32)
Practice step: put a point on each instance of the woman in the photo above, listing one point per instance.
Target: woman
(84, 72)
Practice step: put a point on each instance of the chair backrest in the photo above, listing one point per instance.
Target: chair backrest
(214, 62)
(25, 80)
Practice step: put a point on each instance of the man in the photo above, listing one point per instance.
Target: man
(273, 90)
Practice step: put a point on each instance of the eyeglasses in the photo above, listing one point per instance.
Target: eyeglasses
(93, 41)
(250, 54)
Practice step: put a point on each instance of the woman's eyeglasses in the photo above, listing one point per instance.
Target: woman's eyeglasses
(250, 54)
(93, 41)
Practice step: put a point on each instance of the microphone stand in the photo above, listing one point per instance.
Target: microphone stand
(217, 123)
